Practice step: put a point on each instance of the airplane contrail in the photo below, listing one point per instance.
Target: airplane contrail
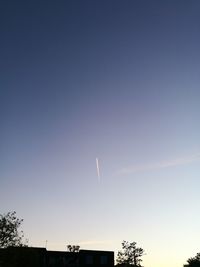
(98, 172)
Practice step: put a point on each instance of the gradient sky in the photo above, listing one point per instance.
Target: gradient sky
(107, 79)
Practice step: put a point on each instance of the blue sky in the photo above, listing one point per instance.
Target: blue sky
(113, 80)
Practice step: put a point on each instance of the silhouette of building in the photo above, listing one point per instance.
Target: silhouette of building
(40, 257)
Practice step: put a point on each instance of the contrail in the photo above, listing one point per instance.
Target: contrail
(98, 172)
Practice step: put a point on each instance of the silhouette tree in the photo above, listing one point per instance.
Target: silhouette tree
(195, 261)
(9, 230)
(130, 254)
(73, 248)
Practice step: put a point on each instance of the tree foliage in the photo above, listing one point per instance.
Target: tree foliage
(130, 254)
(195, 261)
(73, 248)
(10, 235)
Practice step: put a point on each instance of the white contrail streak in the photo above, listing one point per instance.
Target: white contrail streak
(98, 172)
(161, 164)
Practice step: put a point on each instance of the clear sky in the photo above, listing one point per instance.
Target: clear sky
(107, 79)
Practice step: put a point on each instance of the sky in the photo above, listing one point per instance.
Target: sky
(113, 82)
